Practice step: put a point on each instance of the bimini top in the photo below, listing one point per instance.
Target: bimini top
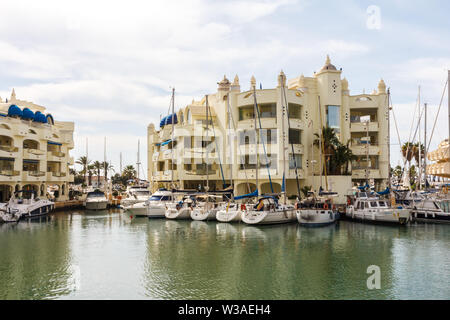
(40, 117)
(27, 114)
(14, 111)
(168, 120)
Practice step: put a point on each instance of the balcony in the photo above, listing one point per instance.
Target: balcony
(56, 176)
(360, 173)
(362, 127)
(7, 151)
(155, 156)
(55, 156)
(361, 149)
(35, 154)
(33, 175)
(9, 172)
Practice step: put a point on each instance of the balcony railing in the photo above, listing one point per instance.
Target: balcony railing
(8, 172)
(36, 152)
(58, 154)
(8, 148)
(58, 174)
(36, 173)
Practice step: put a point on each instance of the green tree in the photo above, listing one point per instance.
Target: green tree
(107, 166)
(84, 162)
(129, 173)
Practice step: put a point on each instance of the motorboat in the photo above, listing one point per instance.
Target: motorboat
(424, 207)
(317, 211)
(24, 204)
(156, 204)
(135, 194)
(206, 207)
(368, 207)
(96, 200)
(268, 211)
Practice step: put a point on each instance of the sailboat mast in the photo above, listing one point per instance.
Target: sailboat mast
(283, 114)
(206, 145)
(138, 163)
(448, 93)
(230, 144)
(425, 148)
(173, 124)
(389, 139)
(420, 149)
(256, 138)
(322, 158)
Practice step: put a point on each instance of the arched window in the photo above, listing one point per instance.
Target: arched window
(188, 116)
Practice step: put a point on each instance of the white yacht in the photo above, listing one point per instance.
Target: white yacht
(230, 212)
(268, 211)
(135, 194)
(206, 207)
(370, 208)
(24, 204)
(156, 205)
(96, 200)
(424, 207)
(317, 211)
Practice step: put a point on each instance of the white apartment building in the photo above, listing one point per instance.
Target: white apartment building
(34, 149)
(232, 152)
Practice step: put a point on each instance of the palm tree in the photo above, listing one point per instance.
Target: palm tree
(129, 172)
(90, 172)
(83, 161)
(97, 167)
(343, 156)
(107, 167)
(305, 190)
(418, 146)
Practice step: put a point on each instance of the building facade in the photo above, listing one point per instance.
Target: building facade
(34, 150)
(226, 138)
(441, 157)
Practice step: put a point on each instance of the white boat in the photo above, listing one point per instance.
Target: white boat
(369, 208)
(96, 200)
(158, 202)
(424, 207)
(317, 211)
(206, 207)
(181, 209)
(139, 209)
(231, 211)
(135, 194)
(268, 211)
(24, 204)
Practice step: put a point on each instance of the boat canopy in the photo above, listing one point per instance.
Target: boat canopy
(250, 195)
(166, 142)
(384, 192)
(168, 120)
(364, 187)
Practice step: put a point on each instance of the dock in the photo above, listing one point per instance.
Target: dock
(68, 204)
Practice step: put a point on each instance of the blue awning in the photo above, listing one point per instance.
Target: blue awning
(166, 142)
(253, 194)
(168, 120)
(55, 143)
(7, 159)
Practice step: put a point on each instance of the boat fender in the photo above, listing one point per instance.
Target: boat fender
(325, 206)
(349, 202)
(243, 207)
(334, 207)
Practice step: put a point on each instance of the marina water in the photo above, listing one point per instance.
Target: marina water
(105, 255)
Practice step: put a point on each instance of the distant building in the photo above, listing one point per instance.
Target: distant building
(34, 149)
(361, 120)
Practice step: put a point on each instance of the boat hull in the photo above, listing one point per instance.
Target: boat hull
(96, 205)
(269, 217)
(316, 218)
(430, 217)
(392, 216)
(137, 211)
(229, 216)
(203, 215)
(182, 214)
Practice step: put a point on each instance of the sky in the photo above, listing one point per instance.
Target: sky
(109, 66)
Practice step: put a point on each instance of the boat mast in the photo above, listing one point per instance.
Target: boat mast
(104, 161)
(206, 146)
(230, 144)
(256, 138)
(367, 152)
(173, 124)
(425, 148)
(389, 139)
(138, 163)
(283, 129)
(420, 149)
(322, 157)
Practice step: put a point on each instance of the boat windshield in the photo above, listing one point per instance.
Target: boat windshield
(382, 204)
(373, 204)
(160, 198)
(141, 193)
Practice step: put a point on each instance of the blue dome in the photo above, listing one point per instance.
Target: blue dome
(14, 111)
(27, 114)
(40, 117)
(49, 119)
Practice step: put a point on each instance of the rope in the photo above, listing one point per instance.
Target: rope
(435, 120)
(217, 147)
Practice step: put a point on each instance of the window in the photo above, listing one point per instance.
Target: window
(295, 111)
(334, 118)
(247, 137)
(382, 204)
(294, 136)
(269, 136)
(188, 142)
(270, 160)
(268, 110)
(298, 161)
(247, 112)
(247, 162)
(373, 204)
(188, 116)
